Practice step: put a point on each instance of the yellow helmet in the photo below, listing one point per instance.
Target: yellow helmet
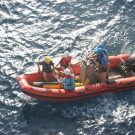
(47, 59)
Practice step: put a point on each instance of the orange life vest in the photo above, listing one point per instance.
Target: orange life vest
(65, 61)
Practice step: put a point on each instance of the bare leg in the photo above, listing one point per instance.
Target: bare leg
(97, 76)
(56, 75)
(45, 76)
(102, 76)
(108, 67)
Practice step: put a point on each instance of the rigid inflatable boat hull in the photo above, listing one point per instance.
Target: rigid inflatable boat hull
(82, 92)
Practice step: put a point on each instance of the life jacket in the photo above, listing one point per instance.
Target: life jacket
(48, 67)
(69, 83)
(65, 61)
(102, 60)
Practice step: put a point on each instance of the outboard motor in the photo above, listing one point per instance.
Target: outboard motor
(130, 64)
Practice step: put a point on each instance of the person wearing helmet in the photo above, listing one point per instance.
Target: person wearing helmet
(48, 68)
(105, 51)
(101, 57)
(102, 64)
(102, 46)
(68, 81)
(65, 61)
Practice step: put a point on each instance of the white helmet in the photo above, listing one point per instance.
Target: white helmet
(67, 71)
(66, 54)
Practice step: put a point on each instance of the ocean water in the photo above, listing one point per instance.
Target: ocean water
(30, 29)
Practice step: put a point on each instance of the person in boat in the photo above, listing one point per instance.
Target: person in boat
(68, 81)
(102, 64)
(48, 68)
(102, 46)
(105, 51)
(65, 61)
(96, 66)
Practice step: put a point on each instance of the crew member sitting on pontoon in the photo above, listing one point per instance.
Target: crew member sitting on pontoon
(65, 61)
(48, 68)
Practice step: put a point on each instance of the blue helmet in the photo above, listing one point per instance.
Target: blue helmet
(98, 50)
(100, 45)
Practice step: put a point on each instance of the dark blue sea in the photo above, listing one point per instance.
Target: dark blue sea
(30, 29)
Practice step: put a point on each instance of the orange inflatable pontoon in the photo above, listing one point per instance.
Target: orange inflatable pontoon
(55, 92)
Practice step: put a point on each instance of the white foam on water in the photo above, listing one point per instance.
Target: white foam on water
(23, 97)
(130, 0)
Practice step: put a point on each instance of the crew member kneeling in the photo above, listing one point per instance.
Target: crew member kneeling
(68, 81)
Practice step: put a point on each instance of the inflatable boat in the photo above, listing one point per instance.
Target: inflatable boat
(123, 80)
